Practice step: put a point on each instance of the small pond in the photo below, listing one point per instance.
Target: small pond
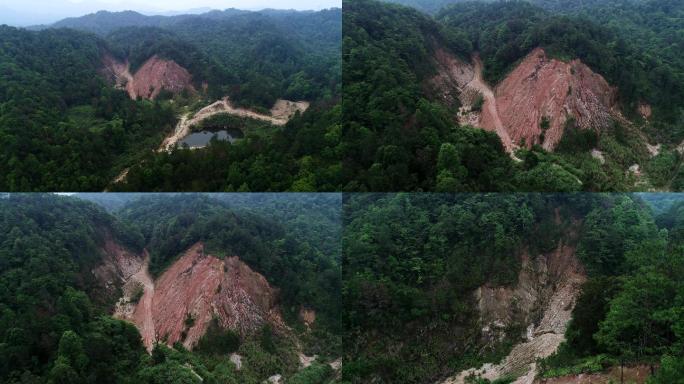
(202, 139)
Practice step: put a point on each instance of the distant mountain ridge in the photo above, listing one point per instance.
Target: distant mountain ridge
(434, 6)
(105, 22)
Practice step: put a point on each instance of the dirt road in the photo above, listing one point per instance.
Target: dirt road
(144, 309)
(489, 105)
(281, 113)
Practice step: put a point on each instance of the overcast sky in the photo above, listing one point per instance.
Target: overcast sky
(29, 12)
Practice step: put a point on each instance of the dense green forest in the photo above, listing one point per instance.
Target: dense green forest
(303, 156)
(56, 315)
(62, 128)
(65, 129)
(403, 138)
(412, 262)
(304, 264)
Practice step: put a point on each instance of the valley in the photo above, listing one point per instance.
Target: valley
(564, 89)
(182, 302)
(131, 88)
(279, 115)
(516, 288)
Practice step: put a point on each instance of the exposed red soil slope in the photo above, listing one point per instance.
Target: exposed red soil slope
(155, 75)
(538, 88)
(203, 287)
(634, 375)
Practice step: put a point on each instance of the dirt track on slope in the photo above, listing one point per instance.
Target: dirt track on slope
(281, 113)
(139, 313)
(147, 330)
(490, 103)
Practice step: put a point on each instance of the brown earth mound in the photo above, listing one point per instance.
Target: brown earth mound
(155, 75)
(538, 90)
(180, 305)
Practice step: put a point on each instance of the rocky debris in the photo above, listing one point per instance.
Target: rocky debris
(598, 155)
(306, 361)
(543, 298)
(533, 103)
(634, 375)
(453, 75)
(237, 360)
(645, 110)
(275, 379)
(286, 109)
(654, 150)
(635, 169)
(116, 72)
(307, 316)
(118, 265)
(196, 289)
(336, 365)
(155, 75)
(139, 312)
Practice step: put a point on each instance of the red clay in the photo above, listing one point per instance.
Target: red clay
(155, 75)
(542, 88)
(203, 287)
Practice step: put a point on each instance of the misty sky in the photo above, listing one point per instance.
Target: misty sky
(29, 12)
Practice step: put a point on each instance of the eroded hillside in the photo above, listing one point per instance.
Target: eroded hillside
(533, 104)
(180, 305)
(154, 76)
(541, 302)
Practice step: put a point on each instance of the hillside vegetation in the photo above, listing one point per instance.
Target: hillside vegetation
(56, 314)
(412, 265)
(64, 128)
(404, 136)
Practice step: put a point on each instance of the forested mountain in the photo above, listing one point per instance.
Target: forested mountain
(434, 6)
(441, 284)
(67, 126)
(66, 266)
(412, 88)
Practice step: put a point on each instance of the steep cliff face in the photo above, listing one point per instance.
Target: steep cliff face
(180, 305)
(540, 88)
(541, 302)
(118, 265)
(155, 75)
(533, 103)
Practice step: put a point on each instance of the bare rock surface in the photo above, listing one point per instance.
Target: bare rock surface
(543, 298)
(155, 75)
